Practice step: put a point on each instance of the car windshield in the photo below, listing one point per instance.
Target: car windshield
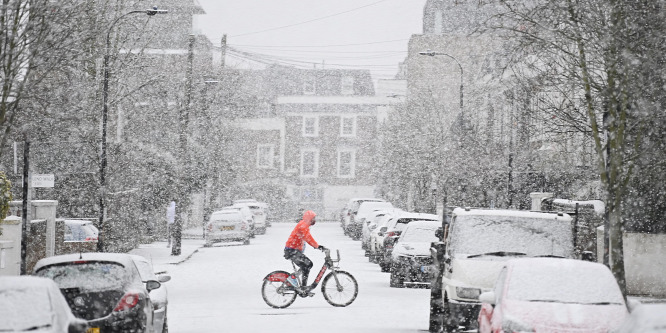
(145, 271)
(419, 234)
(474, 235)
(86, 275)
(563, 283)
(24, 309)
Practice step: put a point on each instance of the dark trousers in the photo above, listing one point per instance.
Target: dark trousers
(303, 262)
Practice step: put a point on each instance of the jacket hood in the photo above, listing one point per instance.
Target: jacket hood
(308, 216)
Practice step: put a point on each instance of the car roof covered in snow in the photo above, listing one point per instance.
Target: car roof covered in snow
(511, 213)
(122, 258)
(411, 215)
(424, 224)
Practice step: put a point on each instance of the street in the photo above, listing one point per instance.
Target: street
(219, 290)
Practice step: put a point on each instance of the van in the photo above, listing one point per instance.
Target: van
(478, 244)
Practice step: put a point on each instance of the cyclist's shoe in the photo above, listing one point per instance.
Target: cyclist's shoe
(305, 291)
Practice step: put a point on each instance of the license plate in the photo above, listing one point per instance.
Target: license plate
(92, 330)
(227, 227)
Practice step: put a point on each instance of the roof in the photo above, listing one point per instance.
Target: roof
(121, 258)
(11, 282)
(508, 212)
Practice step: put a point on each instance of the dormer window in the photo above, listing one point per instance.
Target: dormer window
(347, 85)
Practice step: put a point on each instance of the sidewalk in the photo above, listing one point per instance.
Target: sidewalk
(160, 255)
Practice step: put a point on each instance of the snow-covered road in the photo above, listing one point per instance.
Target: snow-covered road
(219, 290)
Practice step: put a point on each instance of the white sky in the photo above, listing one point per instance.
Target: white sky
(367, 34)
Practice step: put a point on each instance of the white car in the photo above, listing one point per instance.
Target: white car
(411, 258)
(35, 304)
(370, 224)
(247, 215)
(375, 238)
(80, 231)
(364, 216)
(227, 225)
(478, 244)
(350, 210)
(258, 214)
(158, 296)
(646, 318)
(389, 234)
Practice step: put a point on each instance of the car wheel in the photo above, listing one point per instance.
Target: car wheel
(385, 266)
(396, 280)
(246, 241)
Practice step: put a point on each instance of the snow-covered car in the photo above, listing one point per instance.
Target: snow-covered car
(258, 215)
(35, 304)
(389, 234)
(480, 241)
(364, 216)
(553, 295)
(369, 225)
(158, 296)
(375, 238)
(350, 210)
(645, 318)
(105, 289)
(227, 225)
(411, 260)
(247, 215)
(80, 231)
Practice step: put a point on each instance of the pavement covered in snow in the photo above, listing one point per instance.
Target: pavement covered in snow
(218, 289)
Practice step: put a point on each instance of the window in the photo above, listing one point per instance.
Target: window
(347, 85)
(309, 87)
(346, 163)
(265, 153)
(348, 126)
(310, 126)
(310, 163)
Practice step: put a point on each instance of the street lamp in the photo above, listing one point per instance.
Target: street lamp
(438, 248)
(105, 112)
(434, 53)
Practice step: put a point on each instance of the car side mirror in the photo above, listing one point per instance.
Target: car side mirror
(487, 297)
(77, 326)
(164, 278)
(152, 285)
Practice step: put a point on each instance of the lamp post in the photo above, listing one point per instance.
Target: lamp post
(105, 112)
(437, 306)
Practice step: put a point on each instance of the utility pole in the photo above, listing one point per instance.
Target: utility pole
(224, 50)
(183, 122)
(24, 212)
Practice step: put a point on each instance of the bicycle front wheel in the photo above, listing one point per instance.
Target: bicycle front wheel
(276, 291)
(342, 293)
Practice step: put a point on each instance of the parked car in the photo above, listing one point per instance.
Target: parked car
(258, 215)
(227, 225)
(159, 296)
(480, 241)
(35, 304)
(552, 295)
(411, 260)
(645, 318)
(369, 224)
(105, 289)
(80, 231)
(390, 233)
(376, 238)
(350, 210)
(364, 216)
(247, 215)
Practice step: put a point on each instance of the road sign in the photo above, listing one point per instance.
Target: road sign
(43, 180)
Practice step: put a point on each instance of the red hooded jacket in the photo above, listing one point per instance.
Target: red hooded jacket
(301, 233)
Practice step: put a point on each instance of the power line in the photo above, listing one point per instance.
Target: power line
(333, 45)
(309, 21)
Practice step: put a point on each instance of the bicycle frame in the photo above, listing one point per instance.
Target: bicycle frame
(329, 263)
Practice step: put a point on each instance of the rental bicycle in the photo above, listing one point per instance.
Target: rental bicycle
(280, 288)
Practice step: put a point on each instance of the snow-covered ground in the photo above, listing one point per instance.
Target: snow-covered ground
(219, 290)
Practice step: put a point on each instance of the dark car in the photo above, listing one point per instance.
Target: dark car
(105, 289)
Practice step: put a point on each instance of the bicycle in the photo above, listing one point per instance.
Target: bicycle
(280, 288)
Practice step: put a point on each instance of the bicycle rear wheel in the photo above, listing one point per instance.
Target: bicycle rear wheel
(345, 294)
(276, 291)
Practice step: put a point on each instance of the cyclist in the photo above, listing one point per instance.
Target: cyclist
(293, 250)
